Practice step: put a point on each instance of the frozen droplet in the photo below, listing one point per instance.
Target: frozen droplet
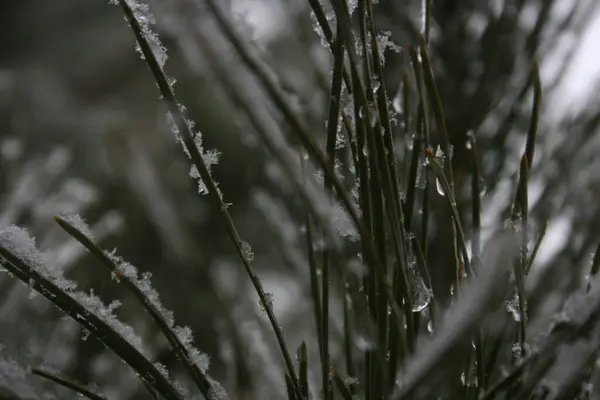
(469, 144)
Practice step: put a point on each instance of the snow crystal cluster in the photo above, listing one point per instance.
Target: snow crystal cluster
(146, 19)
(18, 242)
(184, 334)
(79, 223)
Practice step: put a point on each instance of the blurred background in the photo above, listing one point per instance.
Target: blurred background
(82, 130)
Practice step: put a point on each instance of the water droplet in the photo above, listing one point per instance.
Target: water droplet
(430, 327)
(365, 151)
(439, 187)
(421, 294)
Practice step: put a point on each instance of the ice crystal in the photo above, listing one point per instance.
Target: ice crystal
(269, 297)
(78, 223)
(19, 243)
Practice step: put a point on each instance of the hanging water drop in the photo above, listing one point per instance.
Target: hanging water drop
(439, 187)
(421, 294)
(430, 327)
(365, 151)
